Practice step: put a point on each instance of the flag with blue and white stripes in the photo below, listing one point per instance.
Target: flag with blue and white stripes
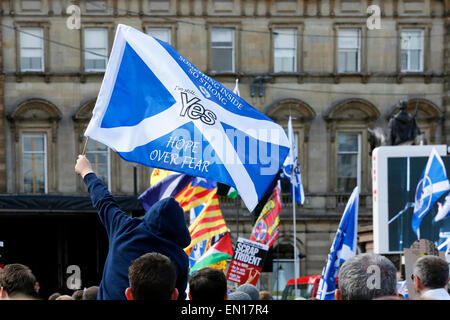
(343, 248)
(157, 109)
(432, 185)
(292, 162)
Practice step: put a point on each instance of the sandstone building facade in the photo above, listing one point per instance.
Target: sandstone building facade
(317, 60)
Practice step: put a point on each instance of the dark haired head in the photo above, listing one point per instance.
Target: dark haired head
(208, 284)
(17, 280)
(152, 277)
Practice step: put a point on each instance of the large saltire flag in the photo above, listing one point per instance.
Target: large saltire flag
(157, 109)
(209, 222)
(432, 185)
(266, 227)
(343, 248)
(221, 250)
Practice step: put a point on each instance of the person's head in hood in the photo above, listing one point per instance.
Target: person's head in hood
(166, 220)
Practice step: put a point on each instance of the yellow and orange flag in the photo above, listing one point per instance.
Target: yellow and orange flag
(209, 222)
(158, 175)
(193, 196)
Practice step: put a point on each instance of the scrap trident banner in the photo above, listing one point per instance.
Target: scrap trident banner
(247, 261)
(157, 109)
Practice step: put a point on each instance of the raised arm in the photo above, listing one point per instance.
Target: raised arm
(108, 210)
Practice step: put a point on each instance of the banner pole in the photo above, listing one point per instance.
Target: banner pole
(295, 233)
(85, 146)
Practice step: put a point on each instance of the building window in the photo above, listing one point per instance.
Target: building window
(34, 161)
(159, 5)
(96, 49)
(348, 161)
(163, 34)
(31, 49)
(285, 50)
(95, 5)
(412, 50)
(31, 5)
(222, 50)
(349, 50)
(98, 154)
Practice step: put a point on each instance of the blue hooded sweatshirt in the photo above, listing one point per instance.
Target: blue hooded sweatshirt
(163, 229)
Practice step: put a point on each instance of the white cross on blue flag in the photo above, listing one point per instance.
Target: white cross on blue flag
(157, 109)
(292, 162)
(343, 247)
(432, 185)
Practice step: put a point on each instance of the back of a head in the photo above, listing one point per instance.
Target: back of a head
(152, 276)
(432, 271)
(17, 280)
(77, 295)
(166, 220)
(249, 289)
(265, 295)
(55, 295)
(239, 295)
(208, 284)
(90, 293)
(367, 276)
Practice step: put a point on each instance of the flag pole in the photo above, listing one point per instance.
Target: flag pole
(295, 232)
(85, 146)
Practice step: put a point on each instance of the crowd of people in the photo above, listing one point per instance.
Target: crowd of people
(153, 276)
(146, 261)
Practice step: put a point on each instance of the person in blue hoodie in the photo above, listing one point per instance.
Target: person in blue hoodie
(163, 229)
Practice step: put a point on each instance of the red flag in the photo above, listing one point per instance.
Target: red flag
(266, 227)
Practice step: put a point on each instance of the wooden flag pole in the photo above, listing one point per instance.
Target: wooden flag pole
(85, 146)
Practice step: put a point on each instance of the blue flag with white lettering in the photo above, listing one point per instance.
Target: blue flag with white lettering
(432, 185)
(157, 109)
(343, 247)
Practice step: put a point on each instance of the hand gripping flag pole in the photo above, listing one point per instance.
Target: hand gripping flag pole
(85, 146)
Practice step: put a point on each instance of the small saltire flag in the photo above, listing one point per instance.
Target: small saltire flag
(169, 186)
(157, 109)
(195, 194)
(209, 222)
(343, 247)
(432, 185)
(221, 250)
(444, 209)
(266, 227)
(290, 163)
